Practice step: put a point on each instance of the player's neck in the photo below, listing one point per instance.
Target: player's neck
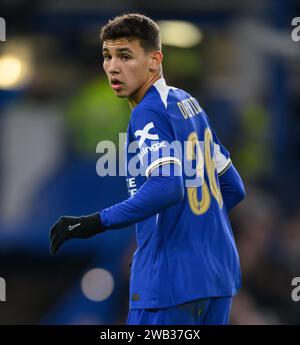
(134, 99)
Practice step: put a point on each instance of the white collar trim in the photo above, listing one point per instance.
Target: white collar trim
(163, 90)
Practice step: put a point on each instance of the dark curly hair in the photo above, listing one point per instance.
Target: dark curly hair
(133, 26)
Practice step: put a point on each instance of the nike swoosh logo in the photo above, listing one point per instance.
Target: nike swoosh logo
(72, 227)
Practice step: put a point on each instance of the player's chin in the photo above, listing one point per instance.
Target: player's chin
(121, 94)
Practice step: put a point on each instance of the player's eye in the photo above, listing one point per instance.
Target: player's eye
(106, 57)
(125, 57)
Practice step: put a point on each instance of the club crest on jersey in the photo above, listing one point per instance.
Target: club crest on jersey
(144, 134)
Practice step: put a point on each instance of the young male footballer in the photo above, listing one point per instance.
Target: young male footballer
(186, 267)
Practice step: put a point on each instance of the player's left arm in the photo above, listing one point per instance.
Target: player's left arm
(162, 189)
(155, 195)
(159, 163)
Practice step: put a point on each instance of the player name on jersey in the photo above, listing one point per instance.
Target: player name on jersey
(189, 107)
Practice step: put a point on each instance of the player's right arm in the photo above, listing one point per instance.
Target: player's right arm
(231, 184)
(232, 187)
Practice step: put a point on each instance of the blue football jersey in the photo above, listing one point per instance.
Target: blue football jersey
(187, 251)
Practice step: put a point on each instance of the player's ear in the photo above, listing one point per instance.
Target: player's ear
(156, 60)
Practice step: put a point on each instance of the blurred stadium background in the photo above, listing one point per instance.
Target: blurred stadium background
(237, 58)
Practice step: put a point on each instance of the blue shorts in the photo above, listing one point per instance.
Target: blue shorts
(207, 311)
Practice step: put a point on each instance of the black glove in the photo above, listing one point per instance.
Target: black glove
(74, 227)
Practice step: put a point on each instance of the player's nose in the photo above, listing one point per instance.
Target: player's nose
(114, 67)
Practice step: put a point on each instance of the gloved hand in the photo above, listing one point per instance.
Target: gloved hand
(74, 227)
